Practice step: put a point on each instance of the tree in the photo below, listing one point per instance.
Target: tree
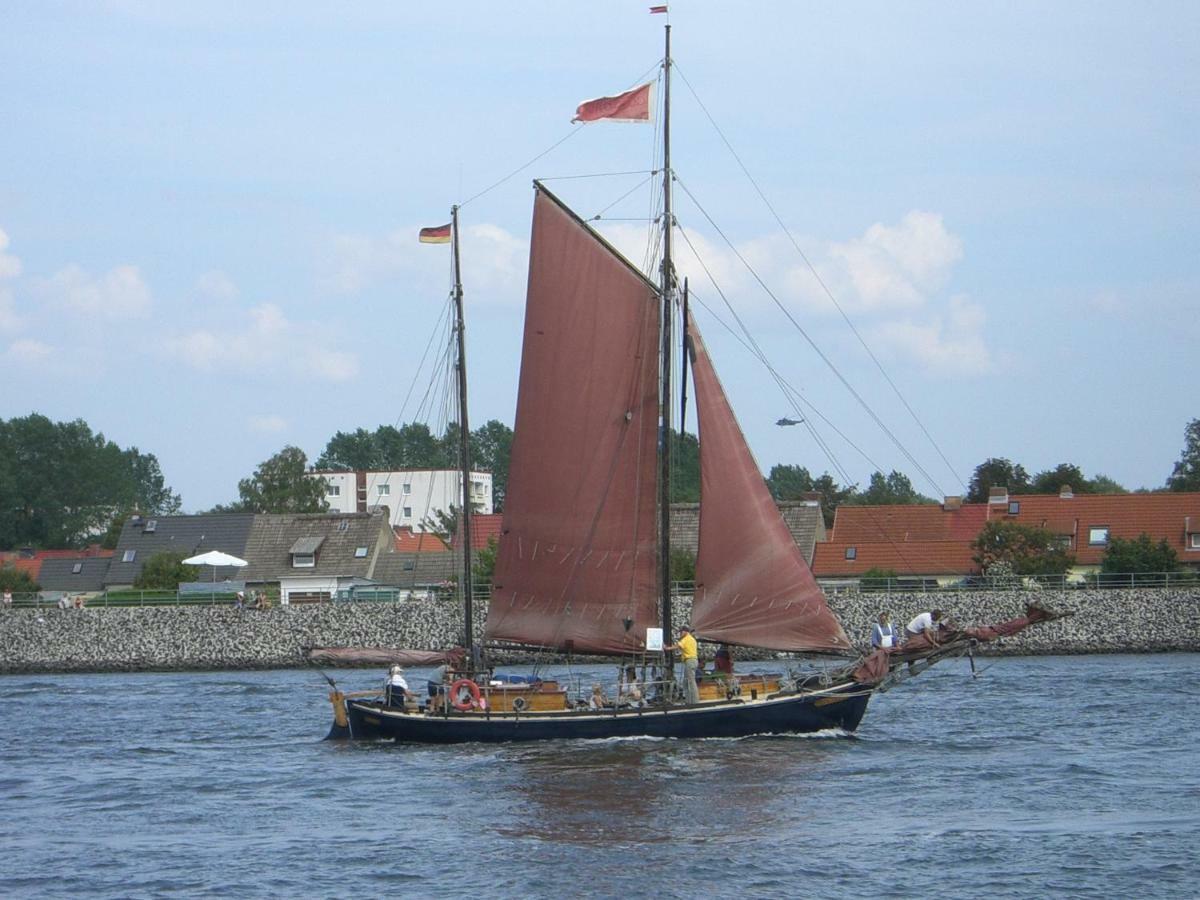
(280, 485)
(355, 450)
(164, 572)
(1186, 474)
(894, 490)
(61, 485)
(491, 450)
(997, 472)
(685, 469)
(1102, 484)
(1139, 554)
(1027, 549)
(483, 563)
(683, 564)
(787, 482)
(1053, 480)
(13, 579)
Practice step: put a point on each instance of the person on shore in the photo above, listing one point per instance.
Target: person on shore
(239, 600)
(689, 655)
(883, 634)
(7, 598)
(927, 624)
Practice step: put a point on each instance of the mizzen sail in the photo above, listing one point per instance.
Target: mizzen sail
(576, 564)
(752, 584)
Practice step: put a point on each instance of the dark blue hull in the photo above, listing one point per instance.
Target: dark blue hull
(795, 714)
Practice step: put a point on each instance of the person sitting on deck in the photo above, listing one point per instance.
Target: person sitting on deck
(598, 700)
(396, 687)
(927, 624)
(883, 634)
(723, 661)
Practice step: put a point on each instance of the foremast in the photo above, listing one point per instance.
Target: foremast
(464, 448)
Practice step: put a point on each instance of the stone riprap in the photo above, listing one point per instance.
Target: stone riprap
(222, 637)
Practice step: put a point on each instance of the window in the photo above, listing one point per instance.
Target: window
(1064, 541)
(151, 527)
(77, 568)
(304, 560)
(129, 555)
(334, 490)
(409, 565)
(1014, 507)
(343, 526)
(408, 512)
(407, 489)
(1097, 535)
(360, 552)
(1194, 541)
(383, 489)
(851, 553)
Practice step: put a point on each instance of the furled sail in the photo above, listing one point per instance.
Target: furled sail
(576, 563)
(752, 584)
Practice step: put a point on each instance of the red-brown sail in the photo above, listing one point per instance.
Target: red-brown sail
(576, 564)
(752, 584)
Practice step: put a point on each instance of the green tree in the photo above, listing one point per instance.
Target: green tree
(280, 485)
(683, 564)
(997, 472)
(685, 468)
(1102, 484)
(1029, 550)
(1186, 474)
(61, 485)
(164, 572)
(1053, 480)
(355, 450)
(894, 490)
(13, 579)
(1139, 554)
(788, 482)
(483, 562)
(491, 450)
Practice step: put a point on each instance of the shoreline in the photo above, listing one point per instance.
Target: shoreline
(167, 639)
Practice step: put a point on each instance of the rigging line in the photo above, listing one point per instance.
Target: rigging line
(648, 172)
(636, 187)
(813, 344)
(821, 282)
(570, 134)
(752, 345)
(437, 328)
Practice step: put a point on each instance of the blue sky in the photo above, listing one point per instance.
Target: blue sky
(208, 215)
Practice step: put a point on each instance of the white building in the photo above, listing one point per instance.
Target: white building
(411, 496)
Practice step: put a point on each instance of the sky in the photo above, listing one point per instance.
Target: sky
(208, 218)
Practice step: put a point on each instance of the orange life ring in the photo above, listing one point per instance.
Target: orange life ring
(457, 700)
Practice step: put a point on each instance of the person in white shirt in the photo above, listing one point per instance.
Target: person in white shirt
(927, 624)
(396, 687)
(883, 634)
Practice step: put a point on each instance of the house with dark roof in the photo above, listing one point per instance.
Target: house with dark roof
(314, 556)
(80, 575)
(802, 517)
(142, 537)
(935, 541)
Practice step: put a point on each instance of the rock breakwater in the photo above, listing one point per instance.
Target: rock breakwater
(222, 637)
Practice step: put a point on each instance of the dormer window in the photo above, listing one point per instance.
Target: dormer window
(151, 527)
(128, 556)
(77, 568)
(1098, 536)
(360, 552)
(304, 552)
(1014, 507)
(1194, 541)
(851, 553)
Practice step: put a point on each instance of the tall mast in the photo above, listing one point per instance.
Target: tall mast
(667, 285)
(464, 448)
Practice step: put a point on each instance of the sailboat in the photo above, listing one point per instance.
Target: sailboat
(582, 566)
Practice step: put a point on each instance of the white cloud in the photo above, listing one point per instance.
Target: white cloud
(264, 342)
(119, 293)
(10, 266)
(29, 352)
(216, 286)
(949, 343)
(495, 275)
(268, 424)
(9, 320)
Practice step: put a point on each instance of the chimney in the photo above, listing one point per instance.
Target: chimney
(1065, 492)
(952, 503)
(811, 498)
(998, 495)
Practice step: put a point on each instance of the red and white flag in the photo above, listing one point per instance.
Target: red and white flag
(657, 9)
(632, 106)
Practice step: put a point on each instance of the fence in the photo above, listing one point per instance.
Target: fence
(483, 592)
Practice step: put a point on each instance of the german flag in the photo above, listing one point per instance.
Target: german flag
(438, 235)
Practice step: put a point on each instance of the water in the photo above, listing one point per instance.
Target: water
(1046, 776)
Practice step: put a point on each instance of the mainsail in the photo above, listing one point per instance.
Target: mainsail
(752, 584)
(577, 558)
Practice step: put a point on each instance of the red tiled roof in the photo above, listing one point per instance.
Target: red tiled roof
(483, 528)
(423, 542)
(930, 540)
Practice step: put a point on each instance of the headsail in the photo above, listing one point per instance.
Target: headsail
(576, 565)
(752, 584)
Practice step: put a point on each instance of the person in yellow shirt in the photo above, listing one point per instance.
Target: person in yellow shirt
(690, 657)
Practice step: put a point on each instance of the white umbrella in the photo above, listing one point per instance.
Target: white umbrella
(215, 558)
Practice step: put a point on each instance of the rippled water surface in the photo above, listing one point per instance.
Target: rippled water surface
(1048, 776)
